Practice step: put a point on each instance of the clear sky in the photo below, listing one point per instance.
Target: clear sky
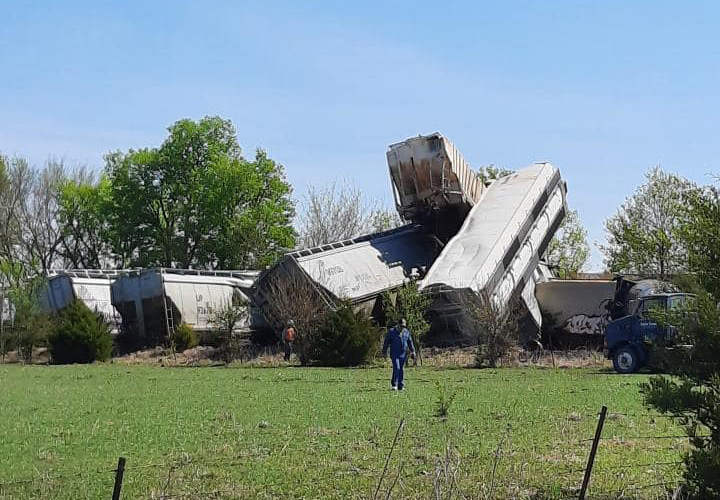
(604, 90)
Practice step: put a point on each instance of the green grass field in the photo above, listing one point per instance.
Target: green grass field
(249, 432)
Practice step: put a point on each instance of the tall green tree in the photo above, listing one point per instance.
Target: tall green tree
(643, 236)
(700, 233)
(568, 251)
(83, 218)
(196, 202)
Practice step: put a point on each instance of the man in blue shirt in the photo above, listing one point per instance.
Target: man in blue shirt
(400, 343)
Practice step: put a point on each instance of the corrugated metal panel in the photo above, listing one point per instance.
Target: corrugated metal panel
(429, 171)
(499, 245)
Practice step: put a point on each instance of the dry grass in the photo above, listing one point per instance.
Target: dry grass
(465, 358)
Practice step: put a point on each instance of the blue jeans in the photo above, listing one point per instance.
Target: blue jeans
(397, 371)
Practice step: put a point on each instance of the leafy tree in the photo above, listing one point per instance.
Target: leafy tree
(339, 212)
(31, 323)
(700, 234)
(692, 389)
(79, 336)
(83, 214)
(258, 230)
(643, 235)
(568, 251)
(196, 202)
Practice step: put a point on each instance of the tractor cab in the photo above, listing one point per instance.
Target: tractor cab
(628, 338)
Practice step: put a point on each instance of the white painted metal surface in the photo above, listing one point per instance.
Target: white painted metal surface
(576, 306)
(93, 288)
(194, 295)
(358, 269)
(7, 311)
(499, 245)
(372, 265)
(429, 171)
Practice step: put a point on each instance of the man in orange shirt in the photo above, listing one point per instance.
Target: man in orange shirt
(289, 335)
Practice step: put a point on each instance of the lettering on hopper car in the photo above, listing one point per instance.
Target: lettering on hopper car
(326, 273)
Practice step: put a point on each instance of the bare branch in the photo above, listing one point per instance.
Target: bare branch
(339, 212)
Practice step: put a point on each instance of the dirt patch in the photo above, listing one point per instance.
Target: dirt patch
(41, 356)
(465, 358)
(197, 356)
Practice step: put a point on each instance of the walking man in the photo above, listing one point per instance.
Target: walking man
(399, 340)
(288, 338)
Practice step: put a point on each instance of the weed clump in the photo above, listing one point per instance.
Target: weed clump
(185, 337)
(443, 402)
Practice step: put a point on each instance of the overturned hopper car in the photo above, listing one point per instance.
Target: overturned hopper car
(358, 269)
(432, 183)
(498, 248)
(153, 302)
(91, 286)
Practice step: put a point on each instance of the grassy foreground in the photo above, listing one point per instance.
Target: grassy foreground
(325, 433)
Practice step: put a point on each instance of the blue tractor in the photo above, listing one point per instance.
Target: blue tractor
(634, 327)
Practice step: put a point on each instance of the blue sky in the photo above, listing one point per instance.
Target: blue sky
(604, 90)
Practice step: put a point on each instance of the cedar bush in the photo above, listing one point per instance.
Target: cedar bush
(185, 337)
(345, 338)
(412, 305)
(79, 336)
(691, 390)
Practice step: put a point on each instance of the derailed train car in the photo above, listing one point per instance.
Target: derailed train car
(432, 183)
(91, 286)
(358, 269)
(499, 246)
(493, 235)
(153, 302)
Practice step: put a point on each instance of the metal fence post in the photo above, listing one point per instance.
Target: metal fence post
(118, 478)
(593, 450)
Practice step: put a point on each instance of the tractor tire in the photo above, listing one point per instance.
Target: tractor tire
(626, 360)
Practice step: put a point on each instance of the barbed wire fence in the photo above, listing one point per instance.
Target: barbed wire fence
(446, 470)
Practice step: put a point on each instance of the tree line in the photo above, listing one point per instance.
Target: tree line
(193, 202)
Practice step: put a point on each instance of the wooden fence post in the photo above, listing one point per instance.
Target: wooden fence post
(118, 478)
(593, 450)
